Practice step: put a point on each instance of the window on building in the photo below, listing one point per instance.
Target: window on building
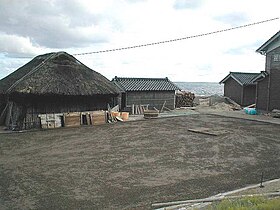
(276, 57)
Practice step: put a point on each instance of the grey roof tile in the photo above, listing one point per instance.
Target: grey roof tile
(242, 78)
(145, 84)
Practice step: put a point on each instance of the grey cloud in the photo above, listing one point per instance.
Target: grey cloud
(242, 49)
(8, 65)
(234, 19)
(187, 4)
(136, 1)
(15, 46)
(53, 24)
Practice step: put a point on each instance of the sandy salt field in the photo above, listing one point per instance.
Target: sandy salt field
(134, 164)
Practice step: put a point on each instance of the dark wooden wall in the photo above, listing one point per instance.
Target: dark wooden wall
(274, 98)
(268, 90)
(2, 103)
(27, 108)
(261, 98)
(233, 90)
(58, 104)
(153, 98)
(270, 62)
(249, 95)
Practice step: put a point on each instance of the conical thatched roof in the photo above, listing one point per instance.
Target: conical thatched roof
(56, 73)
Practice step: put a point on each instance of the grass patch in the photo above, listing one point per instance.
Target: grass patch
(252, 203)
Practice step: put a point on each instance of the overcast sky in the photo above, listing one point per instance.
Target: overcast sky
(32, 27)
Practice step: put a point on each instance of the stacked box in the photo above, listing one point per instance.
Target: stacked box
(50, 120)
(98, 117)
(72, 119)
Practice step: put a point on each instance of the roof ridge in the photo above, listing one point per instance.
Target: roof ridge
(140, 78)
(261, 49)
(244, 72)
(145, 84)
(243, 78)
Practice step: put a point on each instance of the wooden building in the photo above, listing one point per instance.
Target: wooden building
(241, 87)
(268, 83)
(146, 91)
(52, 83)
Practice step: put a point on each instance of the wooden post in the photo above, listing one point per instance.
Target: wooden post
(132, 109)
(162, 106)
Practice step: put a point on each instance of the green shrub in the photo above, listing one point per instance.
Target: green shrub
(251, 203)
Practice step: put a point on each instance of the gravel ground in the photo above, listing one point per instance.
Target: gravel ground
(134, 164)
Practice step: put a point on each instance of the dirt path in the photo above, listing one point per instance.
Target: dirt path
(131, 165)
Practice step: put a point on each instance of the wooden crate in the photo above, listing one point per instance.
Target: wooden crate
(72, 119)
(98, 117)
(85, 118)
(51, 120)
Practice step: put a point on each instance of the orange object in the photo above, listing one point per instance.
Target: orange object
(115, 114)
(124, 115)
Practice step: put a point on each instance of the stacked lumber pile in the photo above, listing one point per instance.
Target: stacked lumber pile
(138, 109)
(184, 99)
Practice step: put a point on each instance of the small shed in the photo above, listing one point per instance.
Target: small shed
(52, 83)
(268, 85)
(240, 87)
(146, 91)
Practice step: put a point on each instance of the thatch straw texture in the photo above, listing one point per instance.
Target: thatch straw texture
(59, 74)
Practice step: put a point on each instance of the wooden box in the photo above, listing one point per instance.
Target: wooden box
(72, 119)
(98, 117)
(51, 120)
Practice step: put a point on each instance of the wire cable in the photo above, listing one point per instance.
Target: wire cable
(177, 39)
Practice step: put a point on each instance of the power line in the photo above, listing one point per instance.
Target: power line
(171, 40)
(177, 39)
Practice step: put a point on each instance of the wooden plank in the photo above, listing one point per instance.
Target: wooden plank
(142, 109)
(162, 106)
(251, 106)
(167, 108)
(3, 114)
(119, 119)
(138, 110)
(205, 131)
(9, 114)
(132, 109)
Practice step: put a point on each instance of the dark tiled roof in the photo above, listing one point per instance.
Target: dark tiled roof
(242, 78)
(263, 49)
(145, 84)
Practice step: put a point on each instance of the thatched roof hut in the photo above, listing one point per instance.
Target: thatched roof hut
(56, 73)
(54, 82)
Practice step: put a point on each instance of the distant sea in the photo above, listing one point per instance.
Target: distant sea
(202, 88)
